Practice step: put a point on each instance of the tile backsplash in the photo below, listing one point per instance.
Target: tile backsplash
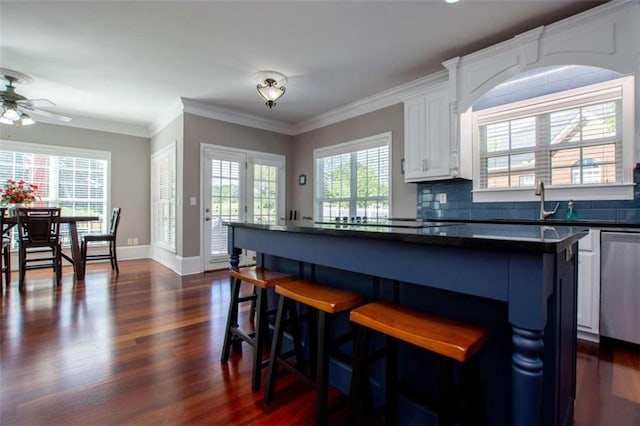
(460, 205)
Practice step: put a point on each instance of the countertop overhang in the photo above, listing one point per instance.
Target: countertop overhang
(489, 236)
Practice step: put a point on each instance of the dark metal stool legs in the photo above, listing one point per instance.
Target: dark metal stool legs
(232, 320)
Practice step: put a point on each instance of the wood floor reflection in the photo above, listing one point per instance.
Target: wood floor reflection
(143, 347)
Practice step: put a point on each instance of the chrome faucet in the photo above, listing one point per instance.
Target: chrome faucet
(540, 191)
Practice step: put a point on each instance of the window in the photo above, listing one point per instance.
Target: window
(571, 139)
(163, 198)
(354, 179)
(265, 194)
(74, 179)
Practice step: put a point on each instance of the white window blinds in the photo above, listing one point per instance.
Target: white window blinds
(225, 201)
(353, 179)
(76, 180)
(573, 138)
(163, 200)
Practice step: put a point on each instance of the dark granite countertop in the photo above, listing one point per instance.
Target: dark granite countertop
(489, 236)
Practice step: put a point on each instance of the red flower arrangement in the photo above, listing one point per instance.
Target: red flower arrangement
(18, 192)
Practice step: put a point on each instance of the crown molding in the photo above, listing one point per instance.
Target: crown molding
(90, 123)
(372, 103)
(216, 112)
(590, 15)
(204, 109)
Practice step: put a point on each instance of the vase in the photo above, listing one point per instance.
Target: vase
(11, 207)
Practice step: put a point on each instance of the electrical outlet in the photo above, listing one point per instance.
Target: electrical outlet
(130, 241)
(442, 198)
(135, 241)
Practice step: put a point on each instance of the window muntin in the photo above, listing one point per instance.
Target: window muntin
(353, 179)
(265, 194)
(553, 140)
(74, 180)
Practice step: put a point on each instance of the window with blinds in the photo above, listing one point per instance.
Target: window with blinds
(571, 138)
(225, 202)
(354, 179)
(70, 178)
(163, 198)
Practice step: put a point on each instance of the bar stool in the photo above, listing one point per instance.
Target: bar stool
(324, 300)
(261, 279)
(453, 340)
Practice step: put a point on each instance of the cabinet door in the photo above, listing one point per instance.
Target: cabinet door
(427, 136)
(589, 286)
(415, 147)
(585, 290)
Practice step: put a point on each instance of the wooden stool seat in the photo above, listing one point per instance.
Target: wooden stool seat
(326, 299)
(452, 340)
(436, 334)
(261, 279)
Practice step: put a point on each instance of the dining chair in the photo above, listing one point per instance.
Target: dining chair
(39, 241)
(109, 238)
(5, 252)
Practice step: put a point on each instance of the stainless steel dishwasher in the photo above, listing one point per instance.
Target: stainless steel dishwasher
(620, 286)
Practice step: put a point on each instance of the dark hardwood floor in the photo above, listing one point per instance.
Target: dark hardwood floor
(143, 347)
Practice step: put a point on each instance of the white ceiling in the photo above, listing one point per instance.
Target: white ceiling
(127, 62)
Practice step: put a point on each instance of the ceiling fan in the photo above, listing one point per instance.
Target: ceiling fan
(17, 109)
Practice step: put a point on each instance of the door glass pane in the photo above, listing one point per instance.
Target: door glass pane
(265, 194)
(225, 202)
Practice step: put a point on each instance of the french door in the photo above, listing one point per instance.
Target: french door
(238, 186)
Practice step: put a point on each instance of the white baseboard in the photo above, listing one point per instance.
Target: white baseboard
(124, 253)
(134, 252)
(189, 265)
(589, 337)
(180, 265)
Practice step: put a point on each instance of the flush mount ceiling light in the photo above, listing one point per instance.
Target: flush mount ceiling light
(270, 85)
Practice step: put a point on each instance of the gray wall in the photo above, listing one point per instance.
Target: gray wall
(198, 130)
(129, 168)
(403, 203)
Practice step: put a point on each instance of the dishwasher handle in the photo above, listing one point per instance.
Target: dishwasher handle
(622, 237)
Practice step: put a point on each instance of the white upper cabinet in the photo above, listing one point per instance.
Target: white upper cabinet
(426, 129)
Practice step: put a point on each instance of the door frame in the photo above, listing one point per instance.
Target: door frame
(250, 157)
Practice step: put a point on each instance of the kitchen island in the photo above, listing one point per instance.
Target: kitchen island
(520, 281)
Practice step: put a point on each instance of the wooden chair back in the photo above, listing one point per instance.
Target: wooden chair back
(115, 221)
(38, 225)
(4, 226)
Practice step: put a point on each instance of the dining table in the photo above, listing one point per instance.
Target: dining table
(72, 221)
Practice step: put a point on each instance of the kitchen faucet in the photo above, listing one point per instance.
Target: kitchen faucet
(540, 191)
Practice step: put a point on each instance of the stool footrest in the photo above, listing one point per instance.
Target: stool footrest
(248, 338)
(247, 298)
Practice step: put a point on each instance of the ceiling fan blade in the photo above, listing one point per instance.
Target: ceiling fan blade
(37, 103)
(42, 113)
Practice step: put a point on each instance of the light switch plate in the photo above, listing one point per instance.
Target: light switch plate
(193, 201)
(442, 198)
